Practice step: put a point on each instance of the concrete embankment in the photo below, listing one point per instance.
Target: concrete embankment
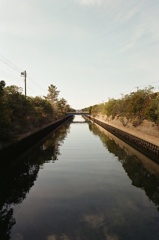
(147, 148)
(25, 141)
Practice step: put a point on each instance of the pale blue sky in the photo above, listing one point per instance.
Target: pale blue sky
(92, 50)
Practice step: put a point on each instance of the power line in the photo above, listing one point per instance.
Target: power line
(5, 74)
(9, 64)
(13, 66)
(40, 87)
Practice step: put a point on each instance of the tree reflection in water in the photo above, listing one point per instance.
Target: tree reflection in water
(133, 163)
(18, 179)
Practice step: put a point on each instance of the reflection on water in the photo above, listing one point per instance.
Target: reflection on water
(100, 188)
(82, 120)
(143, 172)
(16, 183)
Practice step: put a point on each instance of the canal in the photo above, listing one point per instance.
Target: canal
(80, 183)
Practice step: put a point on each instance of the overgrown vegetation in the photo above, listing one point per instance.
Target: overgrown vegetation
(134, 107)
(20, 114)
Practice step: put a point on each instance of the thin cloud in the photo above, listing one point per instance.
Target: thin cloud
(42, 31)
(144, 31)
(118, 11)
(125, 12)
(32, 23)
(137, 34)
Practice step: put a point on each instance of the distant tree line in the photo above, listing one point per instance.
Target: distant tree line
(19, 114)
(134, 107)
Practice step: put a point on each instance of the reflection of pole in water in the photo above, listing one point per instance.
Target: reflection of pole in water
(43, 147)
(52, 158)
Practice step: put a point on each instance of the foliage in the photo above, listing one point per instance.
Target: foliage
(134, 107)
(52, 93)
(152, 111)
(20, 114)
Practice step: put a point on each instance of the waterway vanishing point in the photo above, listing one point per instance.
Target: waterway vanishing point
(80, 183)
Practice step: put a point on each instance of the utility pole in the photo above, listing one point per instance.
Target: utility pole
(24, 74)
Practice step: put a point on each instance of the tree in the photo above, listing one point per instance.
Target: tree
(153, 110)
(15, 108)
(52, 93)
(43, 111)
(134, 107)
(63, 107)
(110, 108)
(19, 114)
(11, 110)
(2, 85)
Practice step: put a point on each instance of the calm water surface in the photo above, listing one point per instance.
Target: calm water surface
(82, 183)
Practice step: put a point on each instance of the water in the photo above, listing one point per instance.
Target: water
(81, 183)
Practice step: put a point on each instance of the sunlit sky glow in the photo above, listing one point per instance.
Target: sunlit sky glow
(92, 50)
